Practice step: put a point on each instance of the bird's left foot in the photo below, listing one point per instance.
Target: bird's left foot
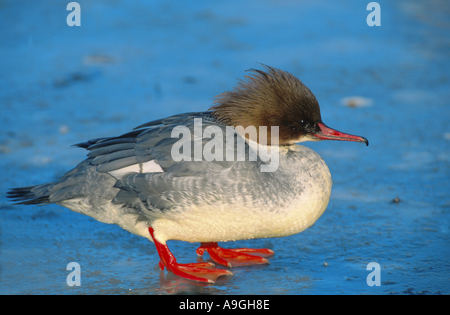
(201, 272)
(235, 257)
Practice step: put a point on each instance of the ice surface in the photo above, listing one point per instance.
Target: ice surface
(132, 62)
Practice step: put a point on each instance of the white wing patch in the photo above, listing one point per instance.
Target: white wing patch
(147, 167)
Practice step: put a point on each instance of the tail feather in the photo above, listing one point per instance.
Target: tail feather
(77, 183)
(28, 196)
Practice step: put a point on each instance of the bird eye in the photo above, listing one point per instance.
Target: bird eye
(297, 125)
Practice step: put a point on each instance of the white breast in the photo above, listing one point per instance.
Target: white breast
(247, 220)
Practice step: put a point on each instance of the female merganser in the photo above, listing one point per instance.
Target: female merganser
(170, 179)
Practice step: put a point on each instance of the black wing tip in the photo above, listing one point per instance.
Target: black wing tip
(25, 196)
(87, 144)
(83, 145)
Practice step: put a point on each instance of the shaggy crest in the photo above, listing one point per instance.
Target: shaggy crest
(270, 98)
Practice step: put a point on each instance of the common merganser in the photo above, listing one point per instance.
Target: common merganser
(200, 188)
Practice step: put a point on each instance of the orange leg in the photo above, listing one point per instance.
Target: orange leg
(202, 272)
(235, 257)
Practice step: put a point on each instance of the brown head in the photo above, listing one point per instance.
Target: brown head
(276, 98)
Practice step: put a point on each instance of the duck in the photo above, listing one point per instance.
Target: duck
(233, 172)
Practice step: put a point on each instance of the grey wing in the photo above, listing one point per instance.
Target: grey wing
(146, 149)
(145, 174)
(197, 183)
(149, 179)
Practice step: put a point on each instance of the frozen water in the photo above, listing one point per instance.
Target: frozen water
(132, 62)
